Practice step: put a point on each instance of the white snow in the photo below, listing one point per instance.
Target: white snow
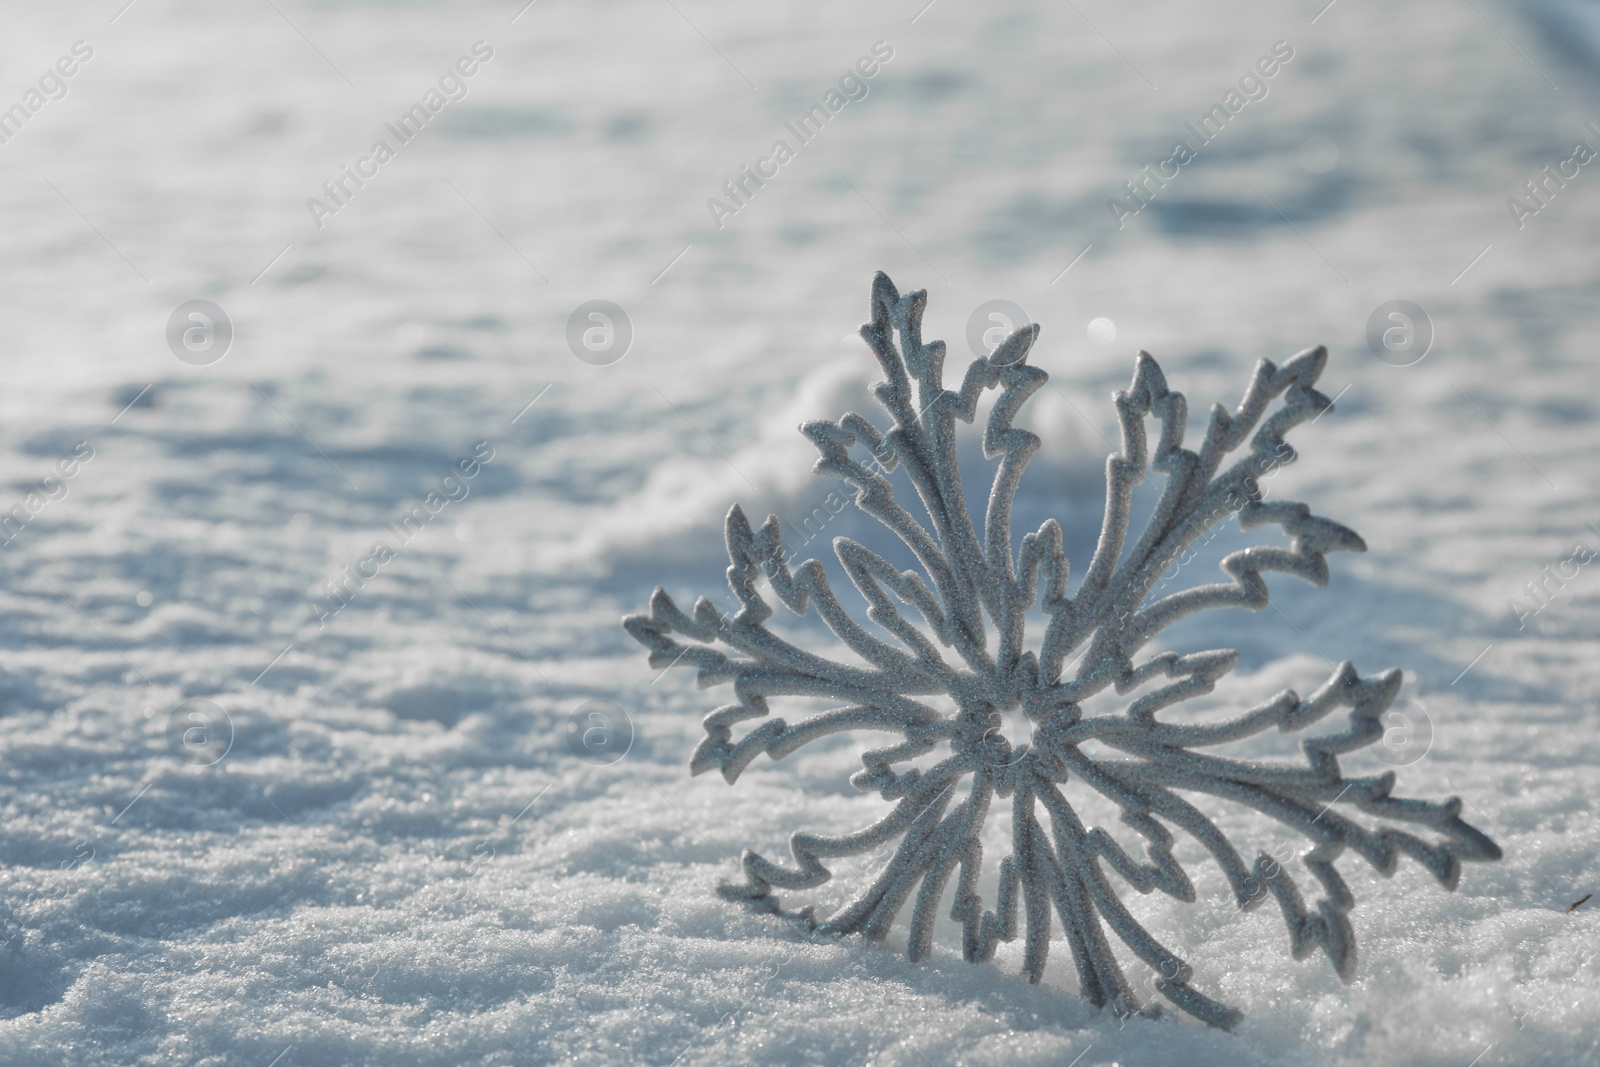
(397, 860)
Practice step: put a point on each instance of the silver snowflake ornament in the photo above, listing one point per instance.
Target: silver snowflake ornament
(951, 628)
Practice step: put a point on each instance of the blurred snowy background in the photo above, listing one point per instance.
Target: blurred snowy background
(376, 845)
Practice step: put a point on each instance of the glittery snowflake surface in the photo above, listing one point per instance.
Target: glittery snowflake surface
(949, 633)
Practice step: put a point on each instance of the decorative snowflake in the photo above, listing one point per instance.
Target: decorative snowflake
(967, 582)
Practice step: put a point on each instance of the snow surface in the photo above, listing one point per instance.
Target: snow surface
(398, 860)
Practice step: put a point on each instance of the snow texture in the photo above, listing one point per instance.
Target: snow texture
(231, 835)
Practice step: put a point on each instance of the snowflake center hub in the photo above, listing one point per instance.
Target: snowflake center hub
(1015, 727)
(1003, 730)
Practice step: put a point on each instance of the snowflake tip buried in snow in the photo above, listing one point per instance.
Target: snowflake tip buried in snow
(952, 627)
